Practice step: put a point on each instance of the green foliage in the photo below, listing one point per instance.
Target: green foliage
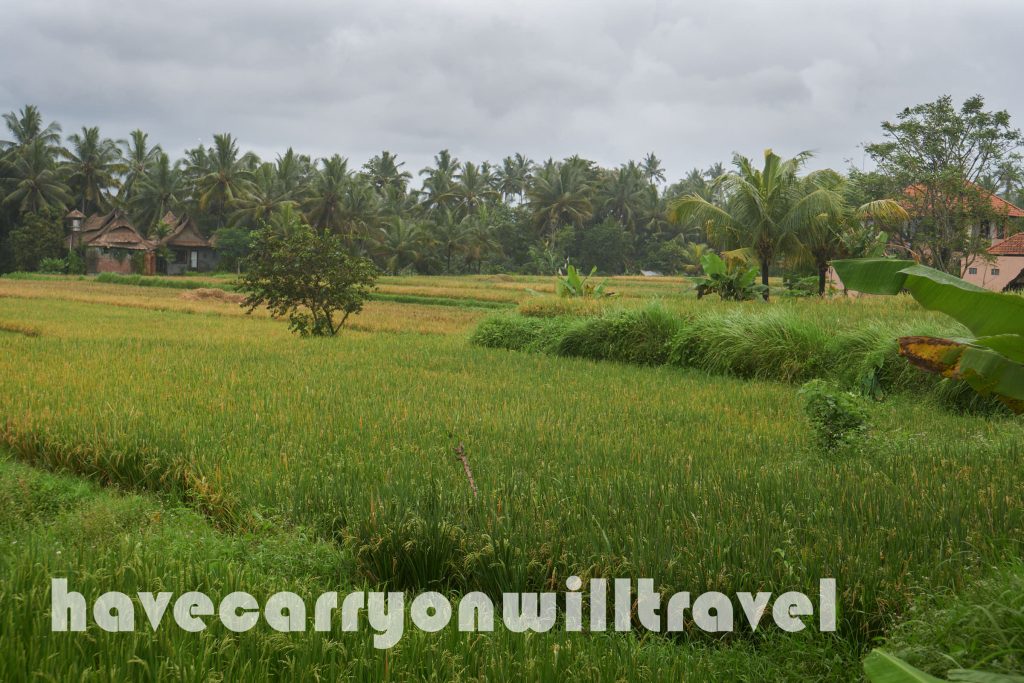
(640, 336)
(572, 285)
(308, 276)
(837, 416)
(979, 625)
(232, 247)
(733, 281)
(992, 362)
(39, 236)
(943, 153)
(799, 286)
(57, 266)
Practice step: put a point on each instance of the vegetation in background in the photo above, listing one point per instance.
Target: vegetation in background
(947, 156)
(571, 285)
(528, 217)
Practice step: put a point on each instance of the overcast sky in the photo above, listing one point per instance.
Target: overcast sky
(692, 81)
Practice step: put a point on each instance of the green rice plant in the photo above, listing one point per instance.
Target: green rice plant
(979, 625)
(238, 427)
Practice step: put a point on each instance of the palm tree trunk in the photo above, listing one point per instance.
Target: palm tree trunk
(822, 273)
(764, 275)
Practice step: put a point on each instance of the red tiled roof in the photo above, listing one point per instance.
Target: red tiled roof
(999, 205)
(1014, 246)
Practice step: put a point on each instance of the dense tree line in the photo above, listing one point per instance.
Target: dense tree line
(516, 216)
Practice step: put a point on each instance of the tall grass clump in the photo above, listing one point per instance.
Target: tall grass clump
(777, 344)
(518, 333)
(637, 336)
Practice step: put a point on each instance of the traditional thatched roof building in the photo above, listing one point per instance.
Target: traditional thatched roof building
(111, 243)
(187, 249)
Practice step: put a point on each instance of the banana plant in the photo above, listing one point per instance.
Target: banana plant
(882, 667)
(991, 361)
(572, 285)
(733, 280)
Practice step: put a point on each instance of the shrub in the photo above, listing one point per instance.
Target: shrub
(836, 415)
(308, 276)
(53, 265)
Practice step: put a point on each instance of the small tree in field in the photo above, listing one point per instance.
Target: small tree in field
(307, 275)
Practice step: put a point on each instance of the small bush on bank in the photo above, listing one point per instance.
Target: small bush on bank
(53, 266)
(837, 416)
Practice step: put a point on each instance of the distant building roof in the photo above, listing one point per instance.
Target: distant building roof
(998, 204)
(111, 230)
(75, 213)
(1013, 246)
(170, 219)
(186, 234)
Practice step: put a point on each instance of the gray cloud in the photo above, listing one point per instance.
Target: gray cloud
(611, 81)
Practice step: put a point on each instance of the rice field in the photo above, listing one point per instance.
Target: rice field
(240, 453)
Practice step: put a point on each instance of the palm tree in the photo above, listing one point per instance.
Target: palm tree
(472, 189)
(823, 237)
(139, 157)
(439, 181)
(764, 209)
(35, 181)
(626, 195)
(160, 190)
(559, 195)
(266, 195)
(93, 164)
(652, 169)
(480, 240)
(326, 193)
(384, 171)
(227, 178)
(400, 243)
(514, 176)
(451, 236)
(293, 173)
(26, 127)
(359, 212)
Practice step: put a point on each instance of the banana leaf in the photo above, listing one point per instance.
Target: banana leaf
(983, 312)
(985, 370)
(882, 667)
